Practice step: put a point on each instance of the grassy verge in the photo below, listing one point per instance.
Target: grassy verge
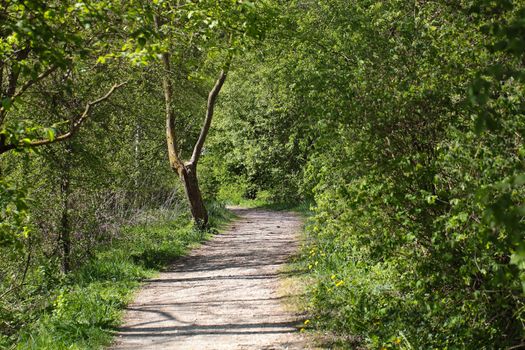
(296, 276)
(297, 284)
(86, 306)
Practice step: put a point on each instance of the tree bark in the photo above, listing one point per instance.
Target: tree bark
(190, 181)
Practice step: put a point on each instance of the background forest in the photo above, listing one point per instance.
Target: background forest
(400, 123)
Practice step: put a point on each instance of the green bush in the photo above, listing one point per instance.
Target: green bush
(405, 122)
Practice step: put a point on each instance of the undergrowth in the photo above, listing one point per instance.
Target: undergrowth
(83, 309)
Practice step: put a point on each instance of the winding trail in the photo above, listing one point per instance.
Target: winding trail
(223, 295)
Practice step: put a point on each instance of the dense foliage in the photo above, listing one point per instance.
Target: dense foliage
(404, 122)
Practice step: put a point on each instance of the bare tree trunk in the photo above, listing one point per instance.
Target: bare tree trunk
(188, 171)
(193, 193)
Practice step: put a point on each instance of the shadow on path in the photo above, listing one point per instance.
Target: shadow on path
(224, 294)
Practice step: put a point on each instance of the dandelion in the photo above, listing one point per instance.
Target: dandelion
(340, 283)
(332, 277)
(306, 322)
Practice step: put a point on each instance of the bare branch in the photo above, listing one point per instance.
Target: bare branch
(212, 99)
(4, 147)
(12, 79)
(15, 71)
(78, 123)
(171, 136)
(26, 86)
(167, 87)
(31, 82)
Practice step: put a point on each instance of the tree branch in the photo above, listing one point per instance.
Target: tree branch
(15, 71)
(26, 86)
(12, 79)
(212, 99)
(171, 136)
(31, 82)
(75, 126)
(78, 123)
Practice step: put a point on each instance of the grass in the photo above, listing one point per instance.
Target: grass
(303, 208)
(87, 306)
(264, 201)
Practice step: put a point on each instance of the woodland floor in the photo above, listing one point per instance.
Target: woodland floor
(224, 294)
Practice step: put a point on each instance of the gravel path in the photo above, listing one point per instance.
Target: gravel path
(224, 295)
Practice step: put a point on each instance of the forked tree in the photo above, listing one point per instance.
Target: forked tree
(209, 22)
(187, 170)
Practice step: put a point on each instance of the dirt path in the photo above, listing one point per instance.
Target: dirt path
(224, 295)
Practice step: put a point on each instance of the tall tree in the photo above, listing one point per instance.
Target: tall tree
(211, 27)
(187, 170)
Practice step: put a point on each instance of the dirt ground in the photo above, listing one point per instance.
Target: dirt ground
(223, 295)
